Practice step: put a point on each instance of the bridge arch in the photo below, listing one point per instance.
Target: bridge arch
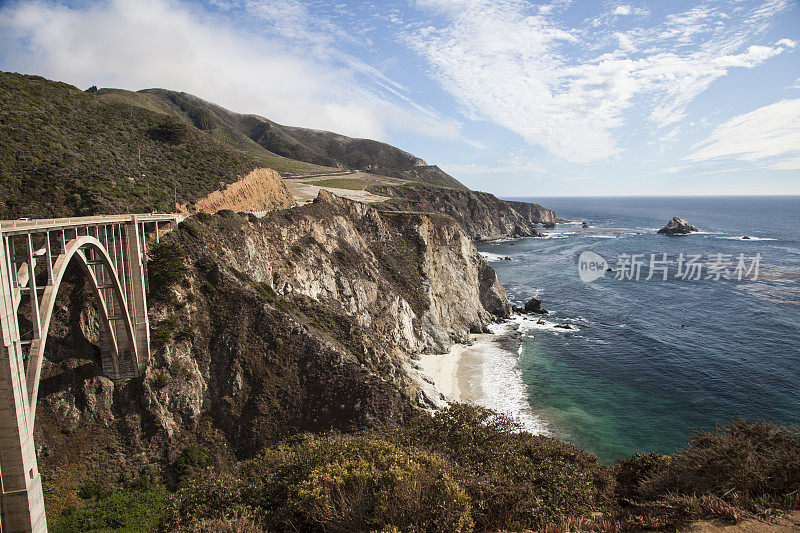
(98, 256)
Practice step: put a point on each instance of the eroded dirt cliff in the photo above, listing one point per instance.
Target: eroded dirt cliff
(262, 189)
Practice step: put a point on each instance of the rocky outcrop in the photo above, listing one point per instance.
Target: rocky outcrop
(677, 226)
(263, 189)
(303, 320)
(534, 214)
(534, 305)
(483, 216)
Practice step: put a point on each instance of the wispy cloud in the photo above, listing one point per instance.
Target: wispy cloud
(507, 63)
(512, 163)
(290, 70)
(768, 137)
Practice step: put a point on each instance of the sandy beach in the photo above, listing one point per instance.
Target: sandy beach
(484, 372)
(458, 375)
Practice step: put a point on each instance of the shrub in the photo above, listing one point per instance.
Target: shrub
(167, 267)
(515, 480)
(348, 483)
(191, 460)
(128, 510)
(203, 500)
(632, 471)
(208, 289)
(188, 227)
(161, 380)
(162, 332)
(749, 464)
(90, 491)
(171, 131)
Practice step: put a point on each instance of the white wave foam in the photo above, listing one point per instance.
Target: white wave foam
(490, 257)
(502, 387)
(749, 238)
(525, 324)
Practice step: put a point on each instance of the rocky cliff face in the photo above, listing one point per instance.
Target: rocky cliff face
(534, 213)
(263, 189)
(483, 216)
(300, 321)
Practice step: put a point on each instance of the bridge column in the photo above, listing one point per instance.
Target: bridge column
(136, 288)
(21, 498)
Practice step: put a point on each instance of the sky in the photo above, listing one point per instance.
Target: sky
(554, 98)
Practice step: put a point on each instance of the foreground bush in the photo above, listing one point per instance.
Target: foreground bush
(515, 480)
(461, 468)
(129, 510)
(631, 472)
(467, 468)
(334, 483)
(750, 465)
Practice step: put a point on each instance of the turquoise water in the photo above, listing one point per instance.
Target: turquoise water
(629, 378)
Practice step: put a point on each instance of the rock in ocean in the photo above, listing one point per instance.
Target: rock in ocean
(534, 305)
(677, 226)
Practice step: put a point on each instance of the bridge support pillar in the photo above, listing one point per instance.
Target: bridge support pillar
(137, 297)
(21, 498)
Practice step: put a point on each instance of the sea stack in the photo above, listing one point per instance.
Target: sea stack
(535, 306)
(677, 226)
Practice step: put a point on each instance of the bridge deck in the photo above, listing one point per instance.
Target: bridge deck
(11, 227)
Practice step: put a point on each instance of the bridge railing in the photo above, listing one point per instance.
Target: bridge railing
(42, 224)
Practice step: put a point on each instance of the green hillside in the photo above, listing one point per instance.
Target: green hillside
(257, 134)
(66, 152)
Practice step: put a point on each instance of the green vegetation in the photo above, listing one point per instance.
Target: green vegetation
(128, 511)
(166, 268)
(65, 152)
(751, 466)
(459, 469)
(464, 468)
(191, 461)
(468, 468)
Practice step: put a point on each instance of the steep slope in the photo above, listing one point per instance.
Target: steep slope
(483, 216)
(64, 152)
(261, 190)
(300, 321)
(311, 146)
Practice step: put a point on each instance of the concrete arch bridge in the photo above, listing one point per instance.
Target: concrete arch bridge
(34, 256)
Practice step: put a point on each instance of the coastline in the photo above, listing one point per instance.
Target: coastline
(484, 372)
(458, 374)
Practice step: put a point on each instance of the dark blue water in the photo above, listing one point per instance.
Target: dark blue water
(630, 378)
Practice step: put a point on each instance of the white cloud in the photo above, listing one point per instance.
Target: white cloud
(302, 80)
(768, 137)
(625, 43)
(623, 10)
(512, 163)
(508, 64)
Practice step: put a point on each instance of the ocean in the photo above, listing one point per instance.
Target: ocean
(649, 361)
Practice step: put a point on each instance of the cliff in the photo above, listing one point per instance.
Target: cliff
(300, 321)
(262, 189)
(534, 213)
(483, 216)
